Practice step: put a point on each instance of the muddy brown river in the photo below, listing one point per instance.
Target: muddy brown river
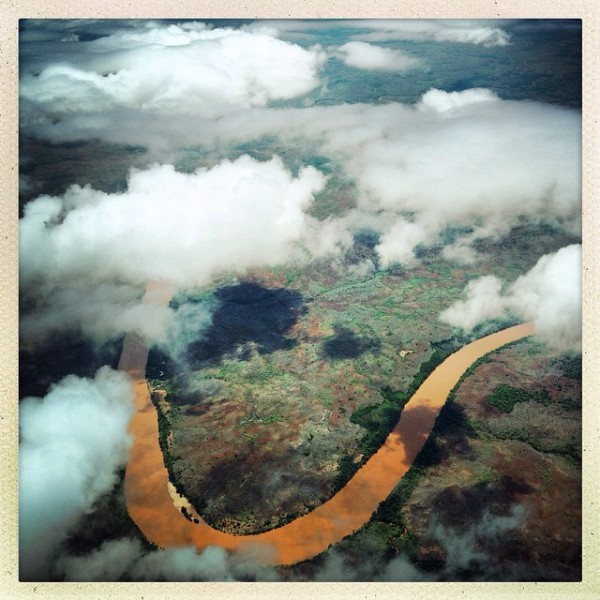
(151, 505)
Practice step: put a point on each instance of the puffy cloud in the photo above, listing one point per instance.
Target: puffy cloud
(362, 55)
(369, 565)
(472, 547)
(86, 256)
(456, 155)
(170, 225)
(102, 310)
(125, 559)
(483, 301)
(109, 562)
(549, 295)
(469, 159)
(460, 253)
(168, 69)
(398, 243)
(465, 158)
(461, 158)
(71, 443)
(477, 32)
(336, 569)
(401, 569)
(441, 101)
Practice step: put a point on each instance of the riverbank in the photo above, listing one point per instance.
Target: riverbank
(151, 506)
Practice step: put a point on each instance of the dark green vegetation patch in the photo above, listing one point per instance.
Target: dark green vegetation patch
(504, 397)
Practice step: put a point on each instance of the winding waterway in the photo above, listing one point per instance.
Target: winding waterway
(151, 506)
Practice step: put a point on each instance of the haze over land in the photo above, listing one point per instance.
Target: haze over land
(285, 178)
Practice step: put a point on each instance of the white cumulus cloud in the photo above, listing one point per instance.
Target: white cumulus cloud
(126, 559)
(478, 33)
(441, 101)
(86, 256)
(549, 295)
(71, 443)
(485, 33)
(174, 69)
(362, 55)
(483, 301)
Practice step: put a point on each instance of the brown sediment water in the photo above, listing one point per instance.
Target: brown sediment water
(151, 506)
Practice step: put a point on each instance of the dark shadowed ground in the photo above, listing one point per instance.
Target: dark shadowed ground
(59, 356)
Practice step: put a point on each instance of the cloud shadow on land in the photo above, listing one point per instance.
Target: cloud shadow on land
(453, 429)
(346, 344)
(239, 495)
(60, 355)
(459, 507)
(56, 166)
(414, 425)
(248, 315)
(476, 533)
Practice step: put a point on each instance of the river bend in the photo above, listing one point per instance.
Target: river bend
(150, 502)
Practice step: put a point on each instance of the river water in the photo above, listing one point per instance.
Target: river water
(150, 503)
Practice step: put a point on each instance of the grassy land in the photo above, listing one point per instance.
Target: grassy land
(336, 372)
